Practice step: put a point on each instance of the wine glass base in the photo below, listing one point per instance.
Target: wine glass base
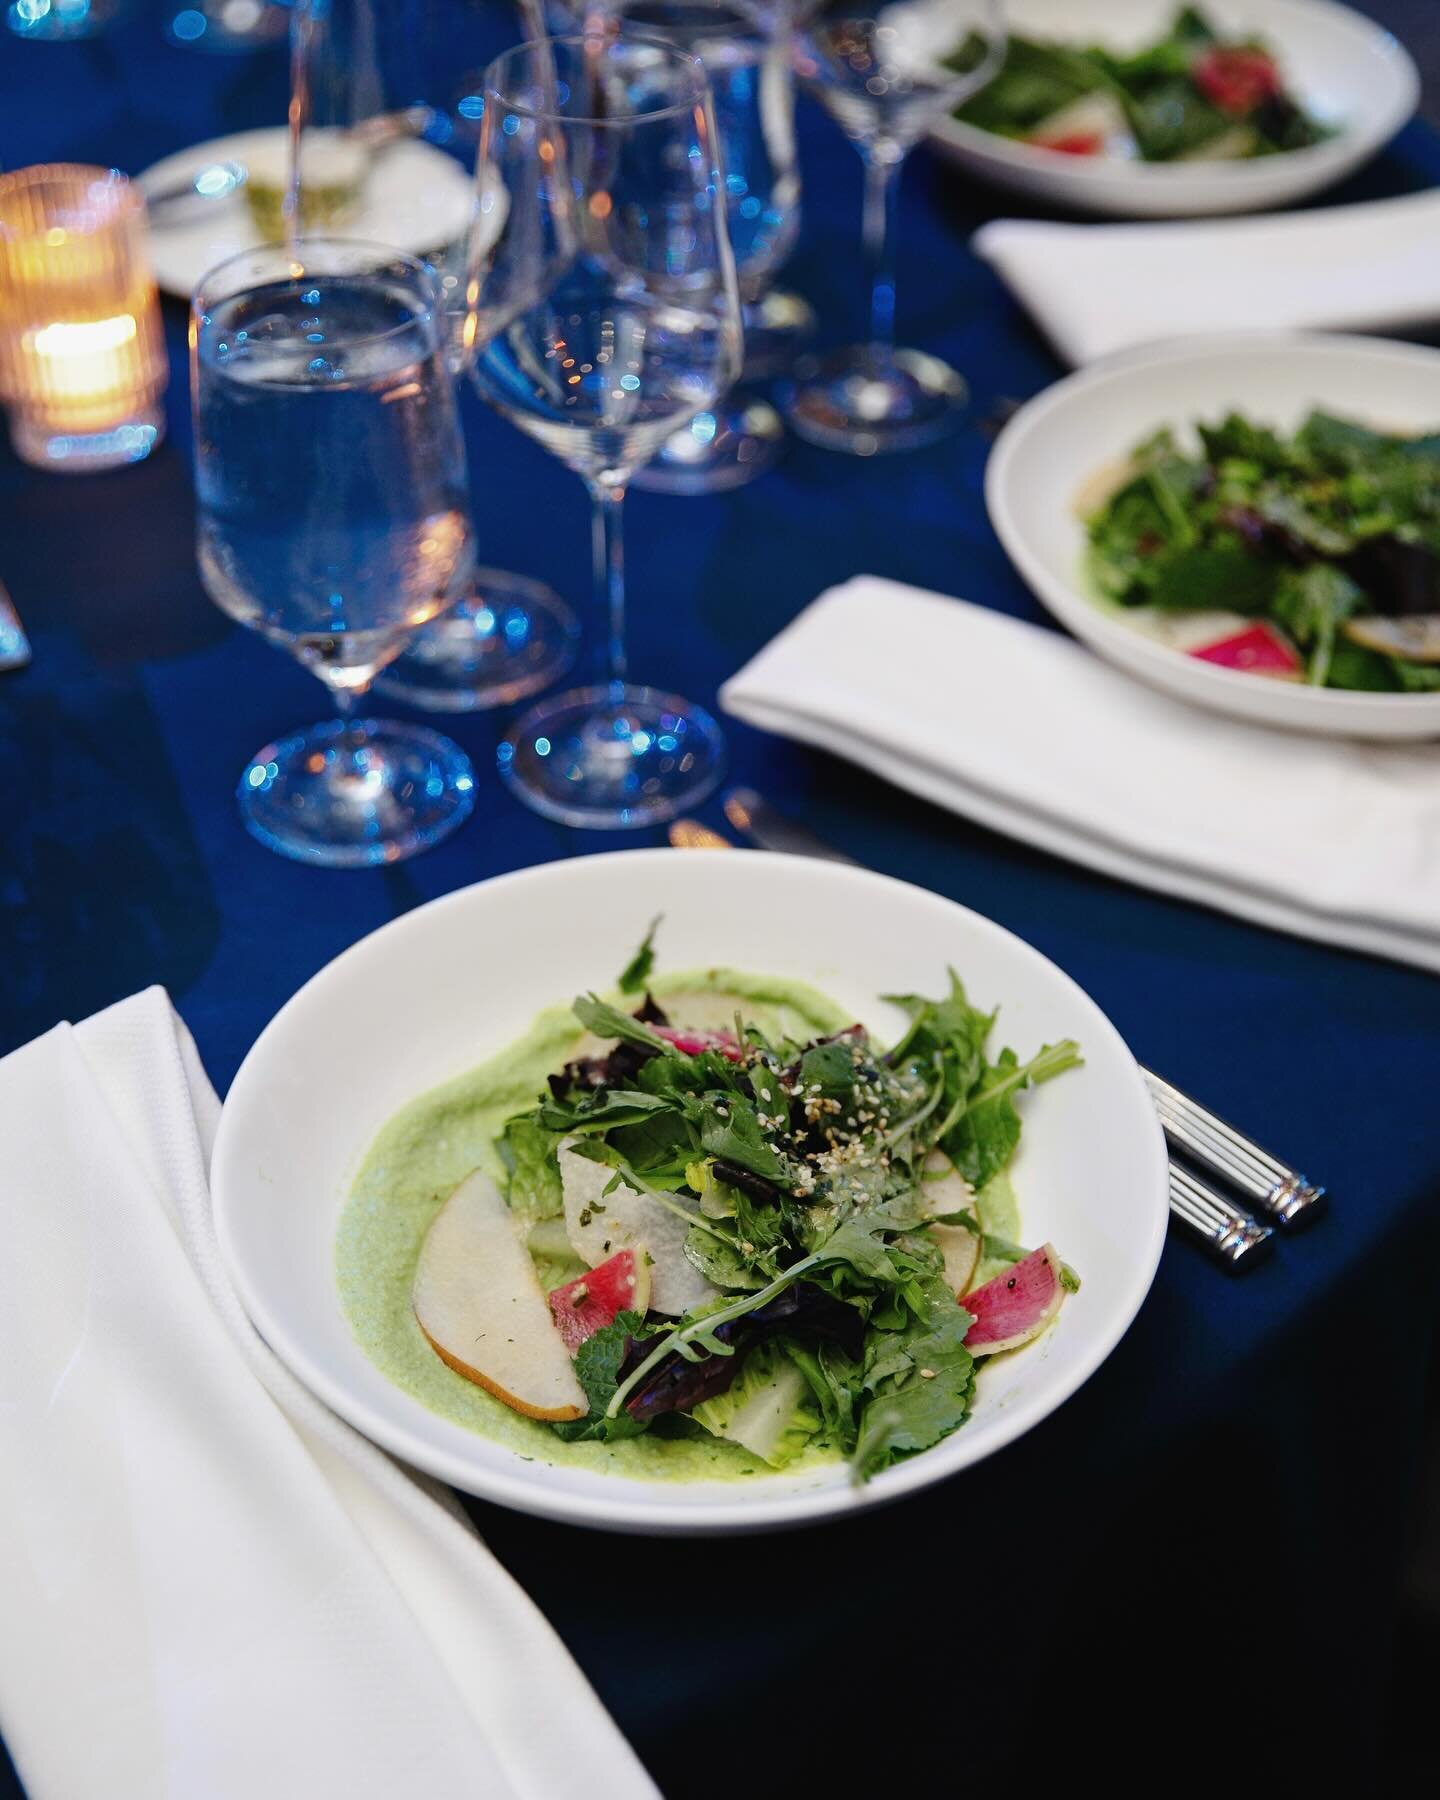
(356, 792)
(869, 402)
(608, 757)
(505, 642)
(778, 326)
(716, 451)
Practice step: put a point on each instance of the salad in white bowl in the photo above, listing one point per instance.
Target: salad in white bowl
(729, 1232)
(373, 1120)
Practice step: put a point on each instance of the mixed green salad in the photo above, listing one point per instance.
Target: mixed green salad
(1320, 549)
(1193, 95)
(773, 1242)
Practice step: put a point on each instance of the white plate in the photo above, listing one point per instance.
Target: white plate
(1344, 69)
(1055, 445)
(436, 991)
(416, 199)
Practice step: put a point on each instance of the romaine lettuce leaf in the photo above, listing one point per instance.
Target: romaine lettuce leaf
(768, 1408)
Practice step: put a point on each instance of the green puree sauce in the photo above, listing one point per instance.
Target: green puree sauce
(432, 1144)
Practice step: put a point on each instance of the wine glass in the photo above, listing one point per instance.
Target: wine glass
(882, 77)
(601, 181)
(332, 518)
(405, 74)
(747, 61)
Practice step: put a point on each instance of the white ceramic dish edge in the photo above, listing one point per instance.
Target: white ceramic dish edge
(639, 1506)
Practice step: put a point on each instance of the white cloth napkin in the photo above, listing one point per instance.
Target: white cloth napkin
(209, 1585)
(1098, 288)
(1028, 733)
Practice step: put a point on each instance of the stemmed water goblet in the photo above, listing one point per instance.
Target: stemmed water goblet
(416, 65)
(882, 78)
(332, 518)
(745, 53)
(602, 190)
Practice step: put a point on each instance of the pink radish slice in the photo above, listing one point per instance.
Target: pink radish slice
(1255, 651)
(1016, 1304)
(590, 1302)
(694, 1043)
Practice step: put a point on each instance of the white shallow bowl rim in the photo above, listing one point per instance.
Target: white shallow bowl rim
(1066, 602)
(639, 1506)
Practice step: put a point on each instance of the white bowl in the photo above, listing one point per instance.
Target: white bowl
(448, 984)
(1343, 68)
(1055, 445)
(415, 198)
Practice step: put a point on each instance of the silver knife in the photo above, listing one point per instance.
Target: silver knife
(1191, 1129)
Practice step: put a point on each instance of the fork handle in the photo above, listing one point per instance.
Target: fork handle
(1263, 1180)
(1227, 1231)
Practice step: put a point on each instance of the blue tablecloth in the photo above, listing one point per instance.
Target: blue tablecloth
(1206, 1537)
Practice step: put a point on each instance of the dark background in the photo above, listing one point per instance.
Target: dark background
(141, 873)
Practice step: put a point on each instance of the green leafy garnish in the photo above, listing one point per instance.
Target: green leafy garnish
(636, 972)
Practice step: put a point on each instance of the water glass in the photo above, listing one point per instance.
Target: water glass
(407, 73)
(333, 519)
(882, 78)
(602, 190)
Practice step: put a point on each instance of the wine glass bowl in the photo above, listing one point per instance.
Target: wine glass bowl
(745, 53)
(600, 162)
(332, 519)
(884, 88)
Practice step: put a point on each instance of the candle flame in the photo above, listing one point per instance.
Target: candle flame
(87, 339)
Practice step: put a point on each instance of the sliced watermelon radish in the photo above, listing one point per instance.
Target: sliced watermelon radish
(1016, 1305)
(590, 1302)
(1075, 143)
(1258, 650)
(694, 1043)
(1237, 79)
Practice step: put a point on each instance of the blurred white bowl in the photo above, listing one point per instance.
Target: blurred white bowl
(1055, 446)
(1343, 68)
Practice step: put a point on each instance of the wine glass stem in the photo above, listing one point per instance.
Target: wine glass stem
(883, 163)
(607, 541)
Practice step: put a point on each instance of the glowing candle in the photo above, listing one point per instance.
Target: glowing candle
(82, 356)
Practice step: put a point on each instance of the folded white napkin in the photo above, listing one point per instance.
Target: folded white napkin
(211, 1586)
(1030, 734)
(1098, 288)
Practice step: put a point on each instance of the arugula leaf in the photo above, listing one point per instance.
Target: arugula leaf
(599, 1111)
(608, 1021)
(921, 1382)
(730, 1130)
(528, 1150)
(636, 972)
(982, 1143)
(597, 1366)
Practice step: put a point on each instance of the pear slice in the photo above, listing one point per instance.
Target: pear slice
(947, 1191)
(478, 1301)
(599, 1224)
(1415, 638)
